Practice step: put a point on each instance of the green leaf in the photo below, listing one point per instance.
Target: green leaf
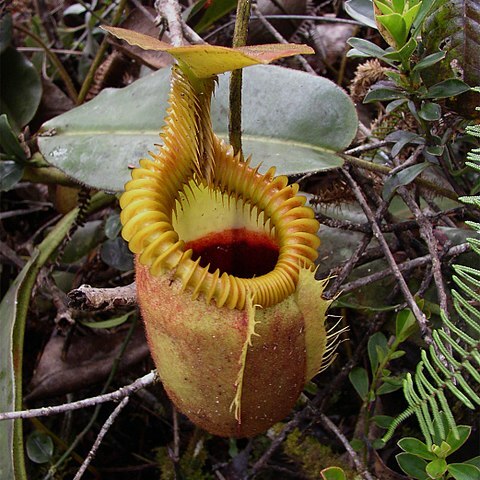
(447, 88)
(395, 24)
(402, 138)
(435, 150)
(20, 88)
(5, 32)
(442, 450)
(292, 120)
(393, 105)
(333, 473)
(357, 444)
(215, 11)
(410, 15)
(11, 173)
(416, 447)
(85, 238)
(9, 141)
(405, 325)
(383, 421)
(398, 5)
(397, 354)
(425, 8)
(110, 323)
(430, 112)
(463, 471)
(456, 443)
(404, 53)
(474, 461)
(383, 95)
(113, 226)
(388, 388)
(401, 178)
(412, 465)
(13, 313)
(116, 254)
(39, 447)
(436, 468)
(359, 379)
(366, 47)
(362, 11)
(429, 61)
(377, 347)
(384, 7)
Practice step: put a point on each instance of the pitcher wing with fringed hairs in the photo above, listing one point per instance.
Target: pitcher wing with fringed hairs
(225, 255)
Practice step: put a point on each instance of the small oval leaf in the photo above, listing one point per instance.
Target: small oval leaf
(11, 173)
(39, 447)
(447, 88)
(20, 88)
(116, 254)
(359, 378)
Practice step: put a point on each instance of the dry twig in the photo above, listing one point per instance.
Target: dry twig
(86, 297)
(360, 467)
(119, 394)
(103, 431)
(419, 315)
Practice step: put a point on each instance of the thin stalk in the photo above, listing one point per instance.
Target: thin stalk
(99, 56)
(235, 113)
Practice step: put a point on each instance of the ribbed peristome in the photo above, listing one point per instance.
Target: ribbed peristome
(193, 155)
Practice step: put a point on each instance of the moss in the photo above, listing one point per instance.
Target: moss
(313, 456)
(189, 467)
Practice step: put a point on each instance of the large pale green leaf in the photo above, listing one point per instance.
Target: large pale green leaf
(291, 119)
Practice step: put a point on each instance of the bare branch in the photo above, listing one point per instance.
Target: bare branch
(403, 267)
(170, 11)
(89, 298)
(419, 315)
(426, 232)
(276, 34)
(360, 467)
(103, 431)
(119, 394)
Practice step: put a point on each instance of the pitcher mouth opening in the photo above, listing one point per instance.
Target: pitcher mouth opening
(225, 234)
(238, 252)
(242, 237)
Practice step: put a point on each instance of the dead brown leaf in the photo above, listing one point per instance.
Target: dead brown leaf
(88, 361)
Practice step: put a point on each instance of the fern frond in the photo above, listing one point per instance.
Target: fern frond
(452, 362)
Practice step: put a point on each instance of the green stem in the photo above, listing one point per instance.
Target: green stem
(99, 56)
(49, 176)
(71, 90)
(239, 40)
